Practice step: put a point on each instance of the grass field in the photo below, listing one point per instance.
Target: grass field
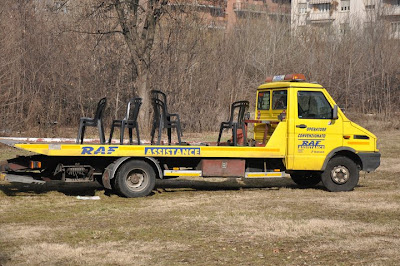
(207, 222)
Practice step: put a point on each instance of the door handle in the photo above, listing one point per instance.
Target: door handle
(301, 126)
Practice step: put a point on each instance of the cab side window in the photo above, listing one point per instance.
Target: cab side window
(313, 105)
(279, 100)
(263, 100)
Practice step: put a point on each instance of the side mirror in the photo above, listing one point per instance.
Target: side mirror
(335, 112)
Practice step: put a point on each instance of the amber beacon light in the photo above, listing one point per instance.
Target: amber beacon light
(288, 77)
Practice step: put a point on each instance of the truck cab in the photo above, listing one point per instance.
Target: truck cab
(317, 131)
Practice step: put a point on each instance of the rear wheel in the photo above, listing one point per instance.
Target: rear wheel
(306, 179)
(341, 174)
(135, 179)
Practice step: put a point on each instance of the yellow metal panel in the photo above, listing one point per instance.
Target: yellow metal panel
(154, 151)
(351, 129)
(278, 139)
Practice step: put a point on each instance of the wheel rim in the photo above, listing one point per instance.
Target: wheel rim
(340, 174)
(136, 180)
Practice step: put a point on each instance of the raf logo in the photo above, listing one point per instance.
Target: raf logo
(99, 150)
(311, 144)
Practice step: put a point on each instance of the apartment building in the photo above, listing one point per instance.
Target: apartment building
(344, 15)
(224, 14)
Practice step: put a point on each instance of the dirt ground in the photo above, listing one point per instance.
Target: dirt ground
(203, 222)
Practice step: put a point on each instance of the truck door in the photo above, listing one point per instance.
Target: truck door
(316, 133)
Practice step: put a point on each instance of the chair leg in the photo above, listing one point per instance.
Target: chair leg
(220, 135)
(111, 133)
(121, 133)
(169, 131)
(101, 132)
(83, 133)
(244, 134)
(137, 133)
(234, 134)
(179, 132)
(78, 138)
(130, 135)
(160, 128)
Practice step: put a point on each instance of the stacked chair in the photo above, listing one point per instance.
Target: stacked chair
(162, 119)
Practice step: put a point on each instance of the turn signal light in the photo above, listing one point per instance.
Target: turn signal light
(35, 165)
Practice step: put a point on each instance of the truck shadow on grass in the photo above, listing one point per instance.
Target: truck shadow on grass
(162, 186)
(227, 184)
(69, 189)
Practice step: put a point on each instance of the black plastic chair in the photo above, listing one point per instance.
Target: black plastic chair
(162, 119)
(130, 121)
(156, 94)
(235, 121)
(93, 122)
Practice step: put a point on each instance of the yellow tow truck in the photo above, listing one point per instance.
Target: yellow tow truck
(298, 130)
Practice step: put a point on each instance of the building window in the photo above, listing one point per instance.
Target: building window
(395, 27)
(344, 28)
(303, 8)
(370, 7)
(345, 5)
(322, 7)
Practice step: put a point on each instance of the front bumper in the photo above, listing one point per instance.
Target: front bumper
(370, 160)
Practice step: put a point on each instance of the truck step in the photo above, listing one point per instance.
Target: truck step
(264, 174)
(182, 173)
(247, 174)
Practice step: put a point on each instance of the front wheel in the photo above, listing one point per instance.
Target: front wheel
(341, 174)
(135, 179)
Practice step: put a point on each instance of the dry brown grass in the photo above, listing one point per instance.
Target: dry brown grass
(213, 221)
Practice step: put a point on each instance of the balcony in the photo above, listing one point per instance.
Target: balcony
(241, 9)
(320, 17)
(212, 7)
(391, 10)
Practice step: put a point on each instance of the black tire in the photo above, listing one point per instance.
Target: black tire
(341, 174)
(135, 179)
(306, 179)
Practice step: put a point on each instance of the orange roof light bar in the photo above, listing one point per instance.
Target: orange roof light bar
(288, 77)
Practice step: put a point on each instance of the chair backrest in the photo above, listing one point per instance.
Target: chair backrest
(132, 111)
(160, 111)
(239, 108)
(156, 94)
(101, 106)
